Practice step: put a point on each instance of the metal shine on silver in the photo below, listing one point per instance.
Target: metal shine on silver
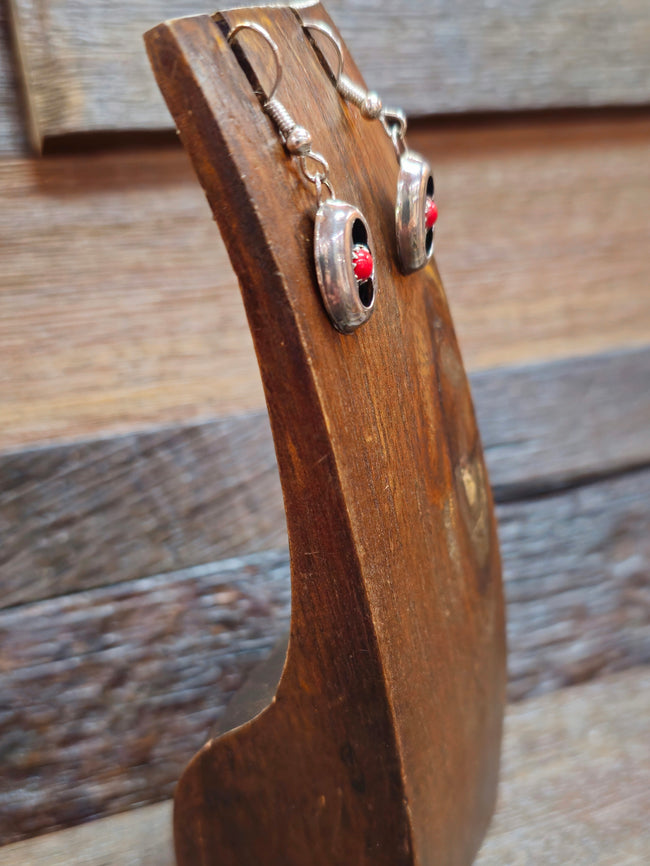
(298, 141)
(333, 246)
(338, 226)
(414, 241)
(371, 106)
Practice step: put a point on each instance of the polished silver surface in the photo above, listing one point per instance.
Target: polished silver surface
(339, 226)
(299, 141)
(414, 185)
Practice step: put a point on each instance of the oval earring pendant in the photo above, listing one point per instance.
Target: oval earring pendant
(415, 212)
(343, 253)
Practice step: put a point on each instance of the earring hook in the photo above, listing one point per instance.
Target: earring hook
(367, 101)
(327, 31)
(257, 28)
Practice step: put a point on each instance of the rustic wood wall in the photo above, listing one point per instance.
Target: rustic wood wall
(143, 562)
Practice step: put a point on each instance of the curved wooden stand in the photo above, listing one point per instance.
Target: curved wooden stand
(381, 745)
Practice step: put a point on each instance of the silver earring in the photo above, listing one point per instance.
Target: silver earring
(415, 208)
(343, 244)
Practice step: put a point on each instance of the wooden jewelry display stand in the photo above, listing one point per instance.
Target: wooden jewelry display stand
(381, 744)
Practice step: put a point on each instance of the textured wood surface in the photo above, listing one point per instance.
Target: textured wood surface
(121, 306)
(557, 424)
(107, 693)
(142, 837)
(87, 514)
(577, 574)
(12, 135)
(88, 73)
(384, 733)
(575, 788)
(78, 515)
(576, 778)
(89, 347)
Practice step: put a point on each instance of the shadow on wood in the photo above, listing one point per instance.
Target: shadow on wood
(382, 742)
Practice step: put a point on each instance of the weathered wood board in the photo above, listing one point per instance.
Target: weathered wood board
(141, 837)
(534, 271)
(136, 505)
(150, 502)
(108, 692)
(577, 576)
(88, 72)
(575, 788)
(553, 425)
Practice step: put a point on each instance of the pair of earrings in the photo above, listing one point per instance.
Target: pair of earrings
(415, 209)
(343, 244)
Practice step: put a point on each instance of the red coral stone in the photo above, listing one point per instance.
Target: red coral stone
(430, 213)
(362, 262)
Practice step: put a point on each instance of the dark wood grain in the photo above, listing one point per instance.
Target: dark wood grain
(86, 514)
(574, 787)
(89, 348)
(386, 494)
(88, 73)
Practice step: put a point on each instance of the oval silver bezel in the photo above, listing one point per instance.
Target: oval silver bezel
(333, 247)
(410, 212)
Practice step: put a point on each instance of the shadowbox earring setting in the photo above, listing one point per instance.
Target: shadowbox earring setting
(343, 244)
(415, 208)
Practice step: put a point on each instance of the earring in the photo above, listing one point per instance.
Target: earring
(415, 208)
(343, 244)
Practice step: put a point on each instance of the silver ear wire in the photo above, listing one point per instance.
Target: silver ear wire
(367, 101)
(296, 138)
(342, 242)
(415, 208)
(257, 28)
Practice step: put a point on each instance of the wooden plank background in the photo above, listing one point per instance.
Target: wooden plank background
(80, 515)
(88, 72)
(143, 562)
(562, 281)
(109, 691)
(574, 790)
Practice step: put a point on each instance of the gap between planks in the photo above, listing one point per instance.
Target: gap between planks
(575, 788)
(120, 310)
